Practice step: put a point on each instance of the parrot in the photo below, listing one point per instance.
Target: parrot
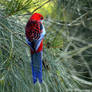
(35, 32)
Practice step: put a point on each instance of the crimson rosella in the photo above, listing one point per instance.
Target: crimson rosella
(35, 32)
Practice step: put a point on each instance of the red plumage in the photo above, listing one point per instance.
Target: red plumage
(33, 29)
(39, 49)
(36, 17)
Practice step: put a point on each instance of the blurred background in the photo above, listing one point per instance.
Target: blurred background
(67, 52)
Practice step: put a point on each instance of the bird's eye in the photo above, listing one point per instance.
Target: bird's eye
(41, 17)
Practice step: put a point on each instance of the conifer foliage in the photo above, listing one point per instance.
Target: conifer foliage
(67, 52)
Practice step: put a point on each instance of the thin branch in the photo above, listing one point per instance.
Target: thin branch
(78, 18)
(73, 23)
(79, 40)
(70, 54)
(30, 13)
(41, 6)
(81, 80)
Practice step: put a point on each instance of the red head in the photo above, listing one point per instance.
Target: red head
(36, 17)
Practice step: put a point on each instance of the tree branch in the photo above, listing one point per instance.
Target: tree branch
(30, 13)
(81, 80)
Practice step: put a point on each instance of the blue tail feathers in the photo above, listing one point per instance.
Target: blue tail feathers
(36, 64)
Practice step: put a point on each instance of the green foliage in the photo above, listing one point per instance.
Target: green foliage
(15, 6)
(67, 46)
